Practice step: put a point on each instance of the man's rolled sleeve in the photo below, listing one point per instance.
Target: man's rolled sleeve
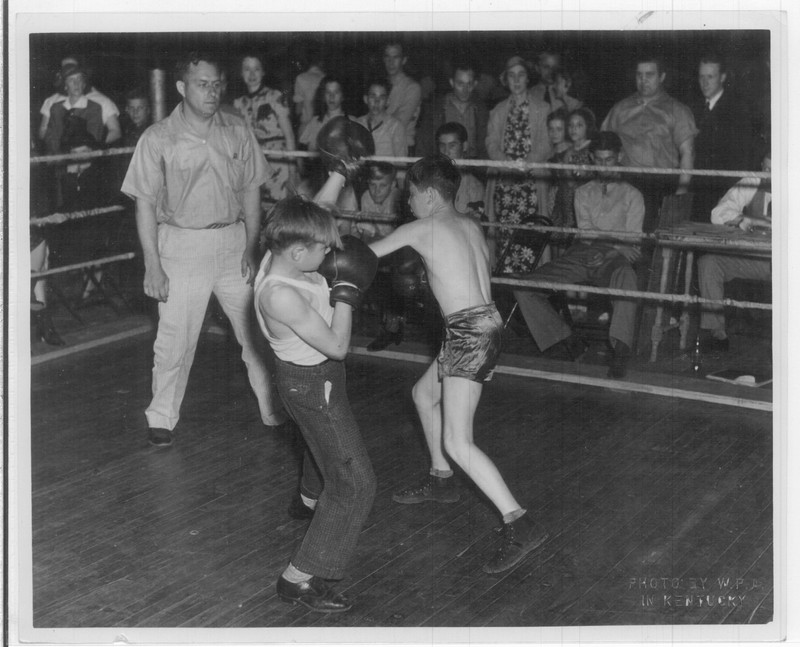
(144, 179)
(684, 127)
(635, 220)
(256, 170)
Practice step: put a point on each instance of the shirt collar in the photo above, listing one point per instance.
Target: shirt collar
(646, 100)
(80, 103)
(713, 100)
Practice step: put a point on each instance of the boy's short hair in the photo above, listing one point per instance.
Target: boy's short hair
(559, 114)
(377, 170)
(606, 140)
(452, 128)
(437, 172)
(379, 80)
(464, 66)
(137, 93)
(185, 63)
(715, 58)
(297, 219)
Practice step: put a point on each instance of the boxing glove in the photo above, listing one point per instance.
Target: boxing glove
(349, 270)
(342, 143)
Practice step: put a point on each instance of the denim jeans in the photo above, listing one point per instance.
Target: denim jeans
(316, 397)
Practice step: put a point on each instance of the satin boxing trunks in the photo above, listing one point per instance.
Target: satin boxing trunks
(472, 343)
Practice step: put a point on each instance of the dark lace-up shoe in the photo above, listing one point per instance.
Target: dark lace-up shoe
(430, 488)
(520, 537)
(159, 437)
(619, 361)
(299, 510)
(316, 594)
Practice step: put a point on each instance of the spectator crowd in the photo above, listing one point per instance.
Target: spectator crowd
(532, 110)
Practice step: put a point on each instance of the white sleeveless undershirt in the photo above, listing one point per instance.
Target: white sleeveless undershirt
(293, 349)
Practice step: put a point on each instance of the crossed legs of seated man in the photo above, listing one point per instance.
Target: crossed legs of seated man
(599, 263)
(713, 270)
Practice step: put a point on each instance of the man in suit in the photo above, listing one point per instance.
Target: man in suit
(547, 64)
(726, 140)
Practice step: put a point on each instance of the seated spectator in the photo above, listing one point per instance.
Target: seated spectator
(100, 116)
(137, 116)
(746, 205)
(86, 184)
(388, 133)
(606, 203)
(459, 106)
(557, 133)
(68, 63)
(452, 140)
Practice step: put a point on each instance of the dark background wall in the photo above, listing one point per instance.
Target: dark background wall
(603, 61)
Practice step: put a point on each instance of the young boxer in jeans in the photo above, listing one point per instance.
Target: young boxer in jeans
(308, 327)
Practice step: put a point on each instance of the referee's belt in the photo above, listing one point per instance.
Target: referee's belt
(220, 225)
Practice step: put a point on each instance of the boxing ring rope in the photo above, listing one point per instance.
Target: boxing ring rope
(516, 166)
(85, 265)
(58, 218)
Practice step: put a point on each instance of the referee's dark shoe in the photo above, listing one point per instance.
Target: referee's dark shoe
(159, 437)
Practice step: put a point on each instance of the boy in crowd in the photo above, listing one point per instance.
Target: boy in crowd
(461, 106)
(137, 112)
(388, 133)
(309, 329)
(452, 141)
(381, 197)
(456, 257)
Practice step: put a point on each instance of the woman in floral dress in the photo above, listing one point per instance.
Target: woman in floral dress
(267, 113)
(517, 131)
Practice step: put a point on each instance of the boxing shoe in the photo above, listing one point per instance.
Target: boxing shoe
(430, 488)
(299, 510)
(520, 537)
(316, 594)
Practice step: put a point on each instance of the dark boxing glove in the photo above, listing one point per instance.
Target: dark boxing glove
(342, 143)
(349, 270)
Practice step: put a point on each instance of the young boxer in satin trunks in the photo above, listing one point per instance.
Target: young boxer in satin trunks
(456, 257)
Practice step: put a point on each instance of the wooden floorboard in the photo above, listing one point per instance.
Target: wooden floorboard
(629, 485)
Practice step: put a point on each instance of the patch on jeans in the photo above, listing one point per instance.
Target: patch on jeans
(328, 388)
